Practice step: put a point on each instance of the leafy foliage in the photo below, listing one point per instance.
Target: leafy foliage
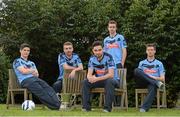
(4, 65)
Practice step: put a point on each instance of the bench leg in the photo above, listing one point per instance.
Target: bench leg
(12, 98)
(158, 99)
(122, 99)
(136, 94)
(7, 100)
(126, 101)
(100, 100)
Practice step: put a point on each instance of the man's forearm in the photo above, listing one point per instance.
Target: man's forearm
(78, 68)
(105, 77)
(124, 57)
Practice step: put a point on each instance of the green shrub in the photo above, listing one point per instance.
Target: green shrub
(4, 65)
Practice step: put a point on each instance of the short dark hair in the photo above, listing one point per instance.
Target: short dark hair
(112, 22)
(23, 45)
(67, 43)
(151, 45)
(96, 43)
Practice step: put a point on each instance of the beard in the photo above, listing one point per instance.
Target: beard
(99, 56)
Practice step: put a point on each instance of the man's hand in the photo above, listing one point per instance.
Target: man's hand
(35, 73)
(93, 79)
(153, 77)
(72, 74)
(122, 64)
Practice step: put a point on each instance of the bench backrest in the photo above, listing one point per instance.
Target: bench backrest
(13, 81)
(73, 85)
(122, 74)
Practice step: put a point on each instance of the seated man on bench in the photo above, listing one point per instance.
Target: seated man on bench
(150, 73)
(100, 75)
(27, 75)
(67, 61)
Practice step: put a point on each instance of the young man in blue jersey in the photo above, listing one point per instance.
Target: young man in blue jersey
(100, 74)
(150, 73)
(27, 75)
(115, 44)
(67, 61)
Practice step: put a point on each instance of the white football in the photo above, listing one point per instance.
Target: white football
(28, 105)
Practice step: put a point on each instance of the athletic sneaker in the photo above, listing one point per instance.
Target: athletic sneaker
(85, 110)
(142, 110)
(160, 85)
(106, 111)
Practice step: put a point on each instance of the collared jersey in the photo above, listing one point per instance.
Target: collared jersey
(152, 68)
(114, 46)
(101, 67)
(74, 61)
(20, 62)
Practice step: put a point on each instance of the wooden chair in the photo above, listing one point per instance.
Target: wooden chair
(161, 97)
(14, 88)
(73, 86)
(122, 91)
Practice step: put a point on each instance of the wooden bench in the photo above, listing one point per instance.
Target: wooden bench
(161, 97)
(14, 88)
(122, 91)
(73, 85)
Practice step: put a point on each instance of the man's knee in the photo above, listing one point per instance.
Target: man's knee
(137, 71)
(85, 82)
(110, 81)
(57, 83)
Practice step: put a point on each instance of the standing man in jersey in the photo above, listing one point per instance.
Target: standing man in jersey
(27, 75)
(150, 73)
(100, 74)
(67, 61)
(115, 44)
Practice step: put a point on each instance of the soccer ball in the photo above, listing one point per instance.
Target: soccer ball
(28, 105)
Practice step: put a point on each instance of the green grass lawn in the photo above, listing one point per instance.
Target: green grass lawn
(39, 111)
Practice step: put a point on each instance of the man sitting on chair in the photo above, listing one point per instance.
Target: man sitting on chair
(100, 74)
(150, 72)
(67, 61)
(27, 75)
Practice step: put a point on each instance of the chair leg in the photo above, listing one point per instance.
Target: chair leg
(136, 94)
(164, 99)
(7, 100)
(158, 99)
(126, 101)
(100, 100)
(30, 96)
(25, 95)
(12, 98)
(142, 98)
(122, 99)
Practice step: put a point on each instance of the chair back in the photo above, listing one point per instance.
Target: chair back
(13, 81)
(122, 75)
(73, 85)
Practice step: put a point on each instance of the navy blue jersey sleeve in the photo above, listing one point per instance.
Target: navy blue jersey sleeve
(79, 60)
(33, 65)
(161, 69)
(17, 63)
(104, 45)
(140, 65)
(111, 63)
(90, 64)
(61, 59)
(123, 42)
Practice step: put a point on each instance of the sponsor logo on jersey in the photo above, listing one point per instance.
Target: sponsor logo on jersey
(114, 45)
(100, 72)
(149, 71)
